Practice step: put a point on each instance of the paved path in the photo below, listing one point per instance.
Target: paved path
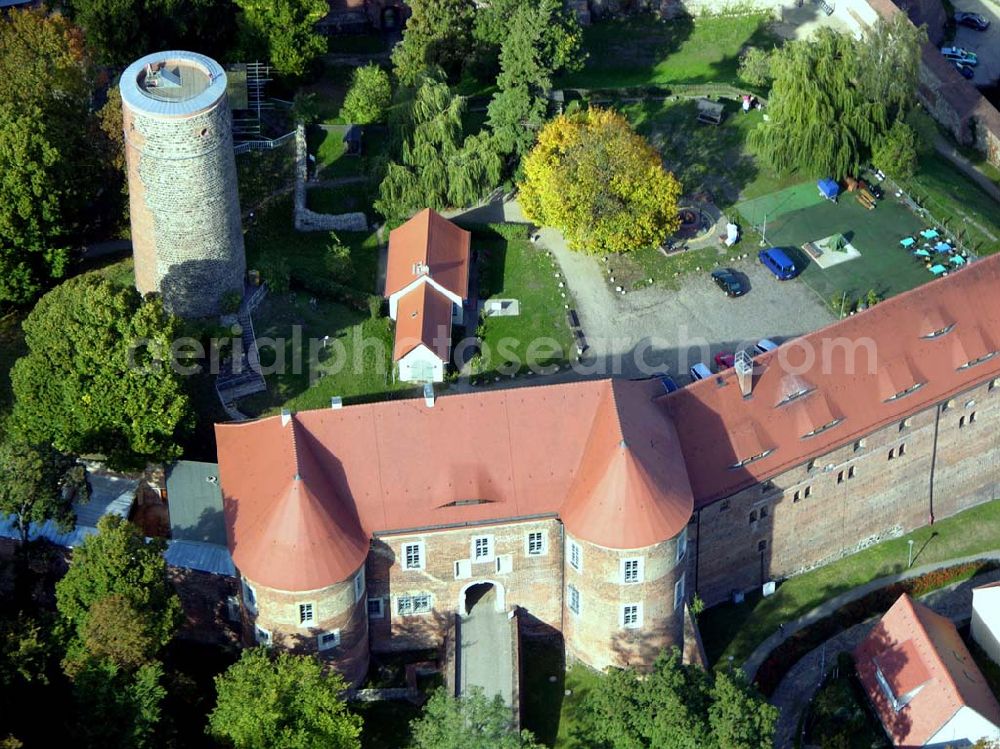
(829, 606)
(486, 659)
(797, 689)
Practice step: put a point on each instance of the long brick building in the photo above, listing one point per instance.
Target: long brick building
(599, 507)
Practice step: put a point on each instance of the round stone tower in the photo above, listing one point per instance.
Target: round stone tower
(187, 236)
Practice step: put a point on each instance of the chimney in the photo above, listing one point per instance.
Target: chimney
(429, 395)
(336, 402)
(744, 373)
(286, 416)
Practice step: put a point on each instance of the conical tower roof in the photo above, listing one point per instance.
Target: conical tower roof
(295, 533)
(632, 488)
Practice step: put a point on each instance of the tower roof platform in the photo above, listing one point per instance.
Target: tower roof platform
(173, 84)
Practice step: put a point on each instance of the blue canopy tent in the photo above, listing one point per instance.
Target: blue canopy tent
(829, 189)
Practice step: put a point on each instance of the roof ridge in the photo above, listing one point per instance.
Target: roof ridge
(292, 423)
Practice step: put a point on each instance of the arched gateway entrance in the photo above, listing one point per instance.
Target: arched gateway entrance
(484, 594)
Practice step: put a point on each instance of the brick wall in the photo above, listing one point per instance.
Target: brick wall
(186, 230)
(203, 597)
(595, 634)
(852, 497)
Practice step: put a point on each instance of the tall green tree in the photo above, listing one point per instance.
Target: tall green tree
(282, 701)
(895, 152)
(116, 571)
(283, 32)
(438, 33)
(436, 168)
(37, 483)
(50, 175)
(119, 708)
(99, 377)
(677, 707)
(469, 722)
(369, 96)
(887, 63)
(561, 36)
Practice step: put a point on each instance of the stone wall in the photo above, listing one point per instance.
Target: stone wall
(306, 220)
(187, 235)
(853, 497)
(203, 598)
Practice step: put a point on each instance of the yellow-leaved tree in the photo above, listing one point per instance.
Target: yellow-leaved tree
(601, 183)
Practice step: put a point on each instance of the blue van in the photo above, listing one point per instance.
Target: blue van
(778, 263)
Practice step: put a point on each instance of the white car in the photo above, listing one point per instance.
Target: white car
(700, 371)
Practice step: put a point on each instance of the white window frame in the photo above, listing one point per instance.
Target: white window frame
(381, 607)
(463, 569)
(359, 585)
(490, 555)
(637, 624)
(572, 592)
(682, 546)
(679, 592)
(329, 645)
(250, 597)
(640, 570)
(411, 604)
(573, 548)
(544, 546)
(263, 636)
(504, 564)
(404, 555)
(312, 613)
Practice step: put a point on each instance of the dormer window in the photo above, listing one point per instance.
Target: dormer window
(823, 428)
(980, 360)
(939, 332)
(795, 395)
(751, 459)
(903, 393)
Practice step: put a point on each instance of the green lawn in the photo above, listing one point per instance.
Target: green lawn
(332, 160)
(516, 269)
(641, 50)
(340, 199)
(730, 630)
(957, 202)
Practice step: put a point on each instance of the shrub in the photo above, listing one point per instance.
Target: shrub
(369, 97)
(374, 306)
(231, 302)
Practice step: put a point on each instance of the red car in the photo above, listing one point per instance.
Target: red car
(724, 360)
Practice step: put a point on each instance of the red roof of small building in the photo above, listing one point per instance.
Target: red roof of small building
(423, 316)
(812, 395)
(478, 458)
(428, 244)
(921, 658)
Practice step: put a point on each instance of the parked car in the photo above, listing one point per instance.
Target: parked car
(724, 360)
(972, 21)
(957, 54)
(873, 189)
(778, 263)
(669, 384)
(764, 345)
(967, 72)
(700, 372)
(730, 282)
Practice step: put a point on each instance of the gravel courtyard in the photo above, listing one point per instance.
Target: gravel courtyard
(660, 330)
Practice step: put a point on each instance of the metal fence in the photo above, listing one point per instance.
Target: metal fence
(264, 144)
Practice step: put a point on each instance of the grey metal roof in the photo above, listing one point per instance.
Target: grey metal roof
(194, 555)
(194, 501)
(190, 102)
(109, 495)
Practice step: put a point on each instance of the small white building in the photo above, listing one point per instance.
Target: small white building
(427, 284)
(986, 619)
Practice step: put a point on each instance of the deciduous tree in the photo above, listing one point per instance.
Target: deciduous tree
(282, 702)
(98, 376)
(369, 97)
(895, 152)
(471, 722)
(755, 67)
(602, 184)
(38, 483)
(438, 34)
(119, 708)
(283, 31)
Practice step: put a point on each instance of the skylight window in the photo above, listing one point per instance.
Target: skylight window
(980, 360)
(903, 393)
(939, 332)
(820, 429)
(751, 459)
(795, 395)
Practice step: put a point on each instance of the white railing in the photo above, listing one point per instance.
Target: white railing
(262, 145)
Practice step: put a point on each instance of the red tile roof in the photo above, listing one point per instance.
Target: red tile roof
(810, 396)
(401, 465)
(428, 243)
(928, 669)
(423, 315)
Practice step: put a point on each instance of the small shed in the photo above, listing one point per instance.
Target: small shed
(711, 112)
(194, 499)
(829, 189)
(353, 143)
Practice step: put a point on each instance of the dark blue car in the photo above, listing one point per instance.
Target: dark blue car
(776, 261)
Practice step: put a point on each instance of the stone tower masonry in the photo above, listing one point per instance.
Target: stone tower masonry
(187, 236)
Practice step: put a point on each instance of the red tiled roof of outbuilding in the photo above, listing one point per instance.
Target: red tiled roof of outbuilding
(812, 394)
(423, 317)
(432, 241)
(401, 465)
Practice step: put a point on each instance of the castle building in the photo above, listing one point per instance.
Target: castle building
(599, 507)
(187, 235)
